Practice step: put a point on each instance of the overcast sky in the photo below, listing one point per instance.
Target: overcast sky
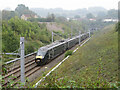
(65, 4)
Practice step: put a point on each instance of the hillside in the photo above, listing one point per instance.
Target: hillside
(52, 26)
(36, 35)
(94, 65)
(68, 13)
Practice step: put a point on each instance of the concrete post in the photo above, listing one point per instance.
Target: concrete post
(22, 62)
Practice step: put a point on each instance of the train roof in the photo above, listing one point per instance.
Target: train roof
(56, 43)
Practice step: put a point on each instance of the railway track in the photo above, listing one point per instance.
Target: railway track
(30, 68)
(16, 64)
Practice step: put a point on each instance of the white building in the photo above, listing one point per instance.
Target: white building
(110, 20)
(27, 16)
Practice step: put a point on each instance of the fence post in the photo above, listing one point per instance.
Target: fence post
(22, 62)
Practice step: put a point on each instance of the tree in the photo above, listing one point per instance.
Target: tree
(77, 16)
(112, 14)
(22, 9)
(53, 17)
(50, 18)
(14, 28)
(61, 19)
(101, 15)
(90, 15)
(6, 15)
(9, 44)
(117, 27)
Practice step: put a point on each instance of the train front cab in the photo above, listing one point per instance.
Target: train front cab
(39, 60)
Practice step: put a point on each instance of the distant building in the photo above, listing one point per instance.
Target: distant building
(43, 17)
(92, 19)
(35, 16)
(27, 16)
(110, 20)
(74, 19)
(68, 19)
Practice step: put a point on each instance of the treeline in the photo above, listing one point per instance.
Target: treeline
(71, 26)
(23, 10)
(35, 34)
(49, 18)
(19, 11)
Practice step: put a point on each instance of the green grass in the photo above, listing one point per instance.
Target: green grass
(94, 65)
(69, 52)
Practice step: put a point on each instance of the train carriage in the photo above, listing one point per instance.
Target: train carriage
(51, 51)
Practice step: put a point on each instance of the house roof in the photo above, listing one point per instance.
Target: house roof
(28, 15)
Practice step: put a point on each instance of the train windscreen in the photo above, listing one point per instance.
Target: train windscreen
(41, 53)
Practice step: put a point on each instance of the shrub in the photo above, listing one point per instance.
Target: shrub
(69, 52)
(29, 48)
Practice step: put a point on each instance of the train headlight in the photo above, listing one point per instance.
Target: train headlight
(39, 57)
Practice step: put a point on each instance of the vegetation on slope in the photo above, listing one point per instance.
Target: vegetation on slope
(36, 35)
(94, 65)
(76, 26)
(15, 28)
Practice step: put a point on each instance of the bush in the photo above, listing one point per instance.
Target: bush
(69, 52)
(117, 27)
(29, 49)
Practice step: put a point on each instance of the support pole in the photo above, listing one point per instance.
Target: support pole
(89, 33)
(79, 37)
(71, 31)
(22, 62)
(52, 36)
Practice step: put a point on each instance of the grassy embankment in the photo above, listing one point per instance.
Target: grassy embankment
(94, 65)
